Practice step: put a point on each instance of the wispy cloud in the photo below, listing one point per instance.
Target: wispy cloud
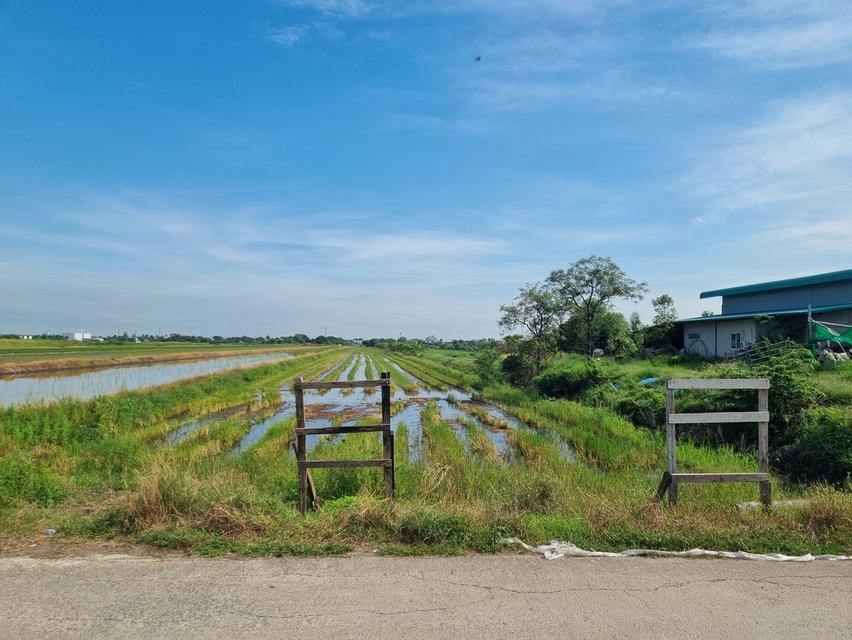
(829, 236)
(287, 36)
(609, 87)
(192, 261)
(779, 34)
(798, 159)
(335, 8)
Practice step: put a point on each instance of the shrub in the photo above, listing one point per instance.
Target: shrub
(644, 406)
(793, 388)
(518, 369)
(571, 377)
(821, 449)
(486, 364)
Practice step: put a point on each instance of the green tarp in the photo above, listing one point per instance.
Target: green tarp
(840, 334)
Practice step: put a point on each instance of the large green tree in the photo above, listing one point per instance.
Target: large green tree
(588, 288)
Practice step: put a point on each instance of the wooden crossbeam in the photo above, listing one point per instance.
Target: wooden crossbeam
(718, 383)
(319, 431)
(717, 418)
(343, 384)
(720, 477)
(324, 464)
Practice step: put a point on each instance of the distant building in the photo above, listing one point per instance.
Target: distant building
(26, 336)
(775, 309)
(358, 341)
(80, 336)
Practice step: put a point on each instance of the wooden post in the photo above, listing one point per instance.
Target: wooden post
(387, 436)
(301, 449)
(763, 448)
(671, 445)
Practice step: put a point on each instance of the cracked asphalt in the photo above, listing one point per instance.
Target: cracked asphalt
(505, 596)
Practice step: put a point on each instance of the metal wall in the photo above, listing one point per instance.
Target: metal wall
(713, 337)
(820, 295)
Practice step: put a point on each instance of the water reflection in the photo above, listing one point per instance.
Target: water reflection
(346, 408)
(103, 382)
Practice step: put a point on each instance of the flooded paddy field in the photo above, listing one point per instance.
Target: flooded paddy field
(470, 419)
(84, 385)
(26, 357)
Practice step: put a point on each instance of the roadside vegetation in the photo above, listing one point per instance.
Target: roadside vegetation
(106, 469)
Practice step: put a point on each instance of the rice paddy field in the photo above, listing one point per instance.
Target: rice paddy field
(42, 355)
(205, 465)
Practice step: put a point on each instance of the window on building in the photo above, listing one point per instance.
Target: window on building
(736, 340)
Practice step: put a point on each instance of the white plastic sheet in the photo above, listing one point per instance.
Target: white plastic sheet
(557, 549)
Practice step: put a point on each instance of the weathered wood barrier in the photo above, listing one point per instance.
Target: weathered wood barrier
(305, 481)
(671, 478)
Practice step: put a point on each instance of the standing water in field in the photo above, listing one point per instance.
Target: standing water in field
(17, 390)
(343, 407)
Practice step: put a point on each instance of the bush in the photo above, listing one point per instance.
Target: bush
(644, 406)
(822, 448)
(518, 369)
(486, 365)
(571, 377)
(792, 388)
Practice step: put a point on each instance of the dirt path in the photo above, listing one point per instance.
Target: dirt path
(366, 596)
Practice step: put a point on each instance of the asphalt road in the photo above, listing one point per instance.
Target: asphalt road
(369, 597)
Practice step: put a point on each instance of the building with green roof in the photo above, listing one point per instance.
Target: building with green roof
(776, 309)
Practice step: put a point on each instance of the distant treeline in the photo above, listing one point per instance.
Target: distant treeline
(401, 345)
(299, 338)
(415, 345)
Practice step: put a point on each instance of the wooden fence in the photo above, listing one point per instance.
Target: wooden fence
(671, 478)
(304, 465)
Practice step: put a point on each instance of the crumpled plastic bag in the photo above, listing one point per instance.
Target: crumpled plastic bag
(557, 549)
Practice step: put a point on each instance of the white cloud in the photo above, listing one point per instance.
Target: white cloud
(334, 8)
(827, 235)
(779, 34)
(798, 159)
(411, 246)
(145, 262)
(287, 36)
(512, 95)
(527, 9)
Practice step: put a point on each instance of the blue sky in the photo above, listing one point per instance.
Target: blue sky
(274, 166)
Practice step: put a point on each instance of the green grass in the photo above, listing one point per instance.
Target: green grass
(433, 373)
(398, 379)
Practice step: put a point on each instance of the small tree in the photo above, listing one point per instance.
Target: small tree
(486, 364)
(637, 330)
(539, 310)
(664, 310)
(589, 286)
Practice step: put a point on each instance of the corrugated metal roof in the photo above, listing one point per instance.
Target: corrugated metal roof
(834, 276)
(785, 312)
